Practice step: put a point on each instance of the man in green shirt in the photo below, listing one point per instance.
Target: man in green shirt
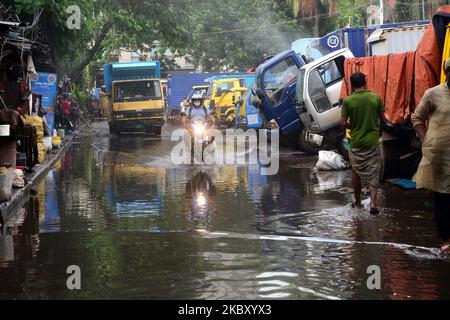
(362, 113)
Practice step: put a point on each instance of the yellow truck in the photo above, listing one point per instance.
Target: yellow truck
(136, 101)
(222, 96)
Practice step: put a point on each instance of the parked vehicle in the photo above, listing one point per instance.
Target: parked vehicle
(222, 95)
(307, 109)
(400, 80)
(180, 85)
(137, 102)
(247, 115)
(275, 87)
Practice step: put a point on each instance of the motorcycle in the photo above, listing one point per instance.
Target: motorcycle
(198, 130)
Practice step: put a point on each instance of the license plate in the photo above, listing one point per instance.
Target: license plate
(252, 119)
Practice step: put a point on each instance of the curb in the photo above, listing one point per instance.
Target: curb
(40, 170)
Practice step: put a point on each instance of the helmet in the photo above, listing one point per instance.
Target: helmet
(197, 99)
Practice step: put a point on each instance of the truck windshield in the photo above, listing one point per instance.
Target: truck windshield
(137, 91)
(278, 76)
(210, 90)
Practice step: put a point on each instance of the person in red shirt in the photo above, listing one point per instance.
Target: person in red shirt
(66, 113)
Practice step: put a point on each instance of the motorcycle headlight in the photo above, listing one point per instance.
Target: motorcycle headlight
(199, 128)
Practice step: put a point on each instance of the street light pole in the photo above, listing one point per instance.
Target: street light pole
(381, 11)
(423, 9)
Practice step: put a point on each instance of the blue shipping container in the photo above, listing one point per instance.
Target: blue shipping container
(179, 85)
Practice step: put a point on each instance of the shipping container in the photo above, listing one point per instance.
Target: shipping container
(355, 38)
(395, 40)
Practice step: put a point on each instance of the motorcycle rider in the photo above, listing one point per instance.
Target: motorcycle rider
(194, 114)
(197, 110)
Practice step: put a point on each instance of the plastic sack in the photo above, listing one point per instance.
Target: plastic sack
(36, 122)
(47, 141)
(5, 186)
(331, 161)
(18, 180)
(41, 152)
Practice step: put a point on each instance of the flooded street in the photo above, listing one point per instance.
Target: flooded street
(140, 227)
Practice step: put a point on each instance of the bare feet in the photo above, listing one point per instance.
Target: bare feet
(356, 205)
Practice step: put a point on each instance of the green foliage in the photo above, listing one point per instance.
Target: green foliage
(233, 34)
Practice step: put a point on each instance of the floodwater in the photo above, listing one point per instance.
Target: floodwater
(140, 227)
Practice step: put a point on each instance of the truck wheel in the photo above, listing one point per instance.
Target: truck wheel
(306, 146)
(390, 160)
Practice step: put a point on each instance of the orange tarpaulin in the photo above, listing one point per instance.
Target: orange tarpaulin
(402, 79)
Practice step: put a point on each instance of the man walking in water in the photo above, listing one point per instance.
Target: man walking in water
(362, 113)
(434, 169)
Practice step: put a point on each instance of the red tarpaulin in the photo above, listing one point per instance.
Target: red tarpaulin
(402, 79)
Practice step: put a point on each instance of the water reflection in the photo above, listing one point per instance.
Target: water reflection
(140, 227)
(200, 198)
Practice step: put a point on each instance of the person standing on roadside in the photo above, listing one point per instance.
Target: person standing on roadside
(434, 169)
(362, 113)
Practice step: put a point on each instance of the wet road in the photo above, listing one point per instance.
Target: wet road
(141, 227)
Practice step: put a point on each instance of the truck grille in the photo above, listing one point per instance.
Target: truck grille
(138, 114)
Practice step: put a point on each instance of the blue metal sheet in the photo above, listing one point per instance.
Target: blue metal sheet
(179, 85)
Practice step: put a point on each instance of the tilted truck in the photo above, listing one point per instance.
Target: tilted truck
(306, 105)
(136, 101)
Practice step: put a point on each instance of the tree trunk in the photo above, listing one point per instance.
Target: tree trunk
(75, 73)
(316, 30)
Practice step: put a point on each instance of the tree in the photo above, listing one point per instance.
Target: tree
(314, 10)
(244, 33)
(106, 25)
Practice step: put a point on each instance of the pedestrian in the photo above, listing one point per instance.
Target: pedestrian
(66, 113)
(74, 111)
(362, 113)
(434, 168)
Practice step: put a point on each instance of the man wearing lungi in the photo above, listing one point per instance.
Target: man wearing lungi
(362, 113)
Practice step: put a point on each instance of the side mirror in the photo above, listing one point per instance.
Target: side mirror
(260, 93)
(219, 92)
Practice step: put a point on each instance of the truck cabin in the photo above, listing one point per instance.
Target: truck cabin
(275, 88)
(137, 90)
